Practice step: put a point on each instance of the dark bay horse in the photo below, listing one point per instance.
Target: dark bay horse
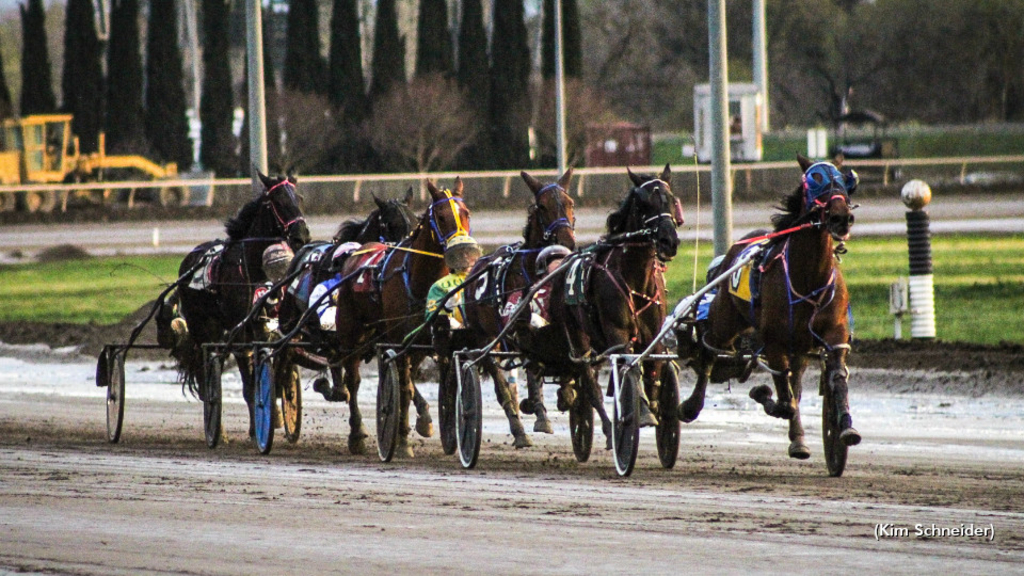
(222, 297)
(612, 297)
(388, 307)
(551, 221)
(390, 222)
(800, 305)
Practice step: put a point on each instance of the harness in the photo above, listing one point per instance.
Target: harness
(290, 189)
(563, 222)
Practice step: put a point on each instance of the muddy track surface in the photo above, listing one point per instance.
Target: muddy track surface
(937, 454)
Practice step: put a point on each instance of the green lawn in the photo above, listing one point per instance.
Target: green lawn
(979, 286)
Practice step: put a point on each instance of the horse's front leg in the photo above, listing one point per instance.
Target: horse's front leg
(779, 364)
(424, 423)
(404, 450)
(591, 392)
(690, 408)
(534, 402)
(838, 375)
(357, 430)
(797, 448)
(507, 398)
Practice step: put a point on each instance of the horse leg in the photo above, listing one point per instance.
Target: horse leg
(690, 408)
(838, 375)
(357, 430)
(779, 363)
(424, 423)
(534, 402)
(403, 449)
(507, 398)
(244, 360)
(652, 385)
(592, 389)
(797, 448)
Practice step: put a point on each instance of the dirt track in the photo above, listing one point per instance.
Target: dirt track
(935, 452)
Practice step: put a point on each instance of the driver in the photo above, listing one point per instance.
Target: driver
(460, 255)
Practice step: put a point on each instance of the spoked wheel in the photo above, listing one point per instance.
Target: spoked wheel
(446, 408)
(388, 406)
(211, 399)
(114, 367)
(291, 403)
(468, 417)
(835, 449)
(667, 431)
(581, 428)
(263, 405)
(625, 427)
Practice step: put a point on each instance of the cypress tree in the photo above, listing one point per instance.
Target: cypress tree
(347, 86)
(82, 79)
(434, 41)
(388, 67)
(166, 120)
(124, 125)
(216, 109)
(6, 106)
(474, 78)
(304, 68)
(510, 74)
(572, 48)
(36, 79)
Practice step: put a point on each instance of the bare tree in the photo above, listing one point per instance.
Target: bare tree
(585, 107)
(423, 125)
(310, 132)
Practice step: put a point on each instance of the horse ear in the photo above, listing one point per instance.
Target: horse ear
(532, 182)
(380, 203)
(458, 186)
(432, 188)
(838, 161)
(267, 182)
(633, 177)
(804, 162)
(666, 174)
(408, 197)
(565, 179)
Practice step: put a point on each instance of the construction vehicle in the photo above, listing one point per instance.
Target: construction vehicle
(41, 149)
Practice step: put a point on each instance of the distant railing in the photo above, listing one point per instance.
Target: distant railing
(592, 186)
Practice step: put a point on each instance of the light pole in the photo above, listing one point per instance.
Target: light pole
(257, 98)
(721, 177)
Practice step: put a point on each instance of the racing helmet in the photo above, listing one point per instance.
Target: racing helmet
(276, 259)
(549, 254)
(461, 252)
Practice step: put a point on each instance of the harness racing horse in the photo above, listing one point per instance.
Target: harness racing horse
(390, 222)
(798, 307)
(222, 291)
(387, 303)
(612, 299)
(551, 221)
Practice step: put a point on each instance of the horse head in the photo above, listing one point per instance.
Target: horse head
(652, 207)
(447, 215)
(280, 206)
(552, 219)
(394, 217)
(825, 191)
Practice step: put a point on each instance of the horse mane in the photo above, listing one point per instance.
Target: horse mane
(349, 229)
(616, 222)
(238, 225)
(792, 207)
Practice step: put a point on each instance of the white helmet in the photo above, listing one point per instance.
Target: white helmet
(549, 254)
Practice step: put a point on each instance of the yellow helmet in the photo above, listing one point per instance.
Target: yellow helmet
(461, 252)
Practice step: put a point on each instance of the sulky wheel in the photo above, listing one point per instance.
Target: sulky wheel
(667, 431)
(211, 399)
(581, 428)
(389, 393)
(115, 393)
(468, 417)
(263, 403)
(625, 425)
(291, 402)
(835, 449)
(446, 407)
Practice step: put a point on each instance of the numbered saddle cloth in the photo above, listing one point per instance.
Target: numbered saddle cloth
(308, 258)
(576, 280)
(744, 282)
(204, 277)
(366, 261)
(538, 311)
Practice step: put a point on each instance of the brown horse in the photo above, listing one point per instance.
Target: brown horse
(611, 297)
(551, 221)
(392, 306)
(798, 307)
(224, 296)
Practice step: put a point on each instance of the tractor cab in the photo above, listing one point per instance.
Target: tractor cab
(45, 145)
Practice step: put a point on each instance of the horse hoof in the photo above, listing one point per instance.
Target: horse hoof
(799, 450)
(357, 445)
(424, 427)
(646, 418)
(322, 386)
(687, 413)
(339, 394)
(849, 437)
(543, 425)
(403, 450)
(522, 441)
(761, 394)
(278, 420)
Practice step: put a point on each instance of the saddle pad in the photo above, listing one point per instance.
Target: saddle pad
(740, 280)
(202, 279)
(366, 262)
(575, 280)
(300, 287)
(538, 306)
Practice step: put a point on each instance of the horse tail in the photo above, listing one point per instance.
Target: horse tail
(190, 364)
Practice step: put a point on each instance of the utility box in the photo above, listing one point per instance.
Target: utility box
(745, 110)
(618, 144)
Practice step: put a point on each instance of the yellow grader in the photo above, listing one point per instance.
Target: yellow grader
(40, 149)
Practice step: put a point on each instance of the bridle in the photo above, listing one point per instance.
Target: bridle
(652, 223)
(450, 200)
(290, 189)
(562, 222)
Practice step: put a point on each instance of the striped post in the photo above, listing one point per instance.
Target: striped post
(916, 194)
